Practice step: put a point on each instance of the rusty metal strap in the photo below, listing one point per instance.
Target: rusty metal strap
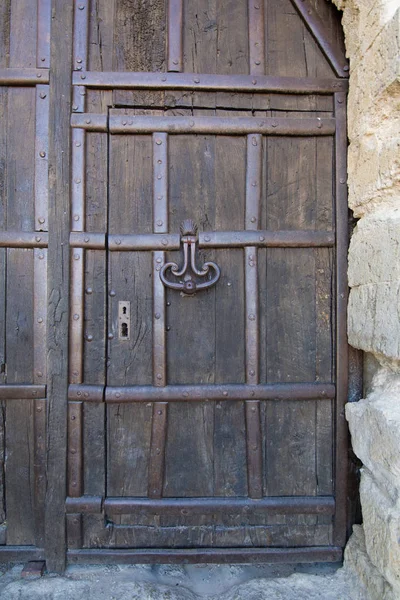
(87, 393)
(22, 392)
(23, 239)
(84, 504)
(194, 82)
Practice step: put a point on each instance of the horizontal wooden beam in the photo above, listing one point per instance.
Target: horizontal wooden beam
(227, 83)
(22, 392)
(84, 504)
(25, 77)
(207, 555)
(199, 393)
(208, 506)
(24, 239)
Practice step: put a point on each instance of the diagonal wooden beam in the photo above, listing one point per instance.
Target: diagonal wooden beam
(332, 51)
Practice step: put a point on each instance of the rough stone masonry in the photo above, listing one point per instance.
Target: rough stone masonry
(372, 30)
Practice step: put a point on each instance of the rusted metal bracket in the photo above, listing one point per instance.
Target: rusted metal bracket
(187, 276)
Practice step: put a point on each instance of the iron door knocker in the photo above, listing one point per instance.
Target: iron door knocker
(187, 273)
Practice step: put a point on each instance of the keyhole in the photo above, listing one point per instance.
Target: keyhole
(124, 329)
(124, 310)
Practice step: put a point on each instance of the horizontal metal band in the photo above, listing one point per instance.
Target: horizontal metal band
(224, 239)
(87, 393)
(23, 77)
(20, 553)
(200, 393)
(240, 506)
(84, 504)
(144, 241)
(208, 555)
(24, 239)
(22, 392)
(222, 125)
(89, 121)
(189, 81)
(90, 241)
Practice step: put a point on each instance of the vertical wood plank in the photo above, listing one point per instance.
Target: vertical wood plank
(341, 319)
(157, 449)
(254, 449)
(23, 33)
(58, 280)
(74, 523)
(174, 40)
(40, 469)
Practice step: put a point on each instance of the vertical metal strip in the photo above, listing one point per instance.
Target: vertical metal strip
(41, 158)
(78, 180)
(157, 449)
(256, 37)
(174, 40)
(75, 479)
(80, 51)
(254, 450)
(160, 225)
(342, 241)
(43, 34)
(252, 219)
(76, 316)
(39, 468)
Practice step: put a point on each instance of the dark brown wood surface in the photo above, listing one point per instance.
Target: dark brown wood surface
(258, 149)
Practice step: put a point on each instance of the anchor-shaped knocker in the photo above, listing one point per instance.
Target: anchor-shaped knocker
(187, 274)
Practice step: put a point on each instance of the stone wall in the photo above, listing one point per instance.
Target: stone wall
(372, 30)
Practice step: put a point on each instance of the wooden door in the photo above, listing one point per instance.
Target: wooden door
(207, 425)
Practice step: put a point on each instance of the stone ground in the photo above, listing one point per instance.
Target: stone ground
(186, 582)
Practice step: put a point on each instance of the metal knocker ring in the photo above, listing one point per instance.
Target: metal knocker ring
(185, 276)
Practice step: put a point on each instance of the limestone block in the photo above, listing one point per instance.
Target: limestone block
(375, 430)
(358, 564)
(382, 530)
(374, 254)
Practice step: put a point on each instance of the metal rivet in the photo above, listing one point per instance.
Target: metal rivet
(118, 242)
(164, 242)
(81, 6)
(79, 68)
(76, 256)
(253, 219)
(254, 141)
(342, 180)
(79, 60)
(229, 284)
(89, 338)
(42, 95)
(253, 409)
(38, 75)
(252, 372)
(159, 177)
(83, 76)
(254, 81)
(43, 58)
(159, 197)
(76, 217)
(41, 256)
(163, 78)
(39, 409)
(168, 303)
(41, 220)
(112, 293)
(157, 316)
(158, 451)
(39, 374)
(89, 290)
(159, 376)
(79, 393)
(191, 123)
(346, 68)
(77, 180)
(185, 394)
(110, 336)
(77, 144)
(158, 142)
(40, 320)
(76, 317)
(175, 62)
(159, 162)
(262, 238)
(252, 317)
(74, 107)
(274, 123)
(207, 238)
(224, 393)
(42, 154)
(75, 373)
(251, 257)
(340, 100)
(158, 268)
(254, 184)
(124, 122)
(86, 239)
(159, 260)
(159, 223)
(38, 238)
(196, 80)
(118, 395)
(254, 448)
(73, 451)
(257, 62)
(88, 121)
